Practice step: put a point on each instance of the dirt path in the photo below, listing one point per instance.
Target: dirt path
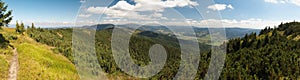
(14, 65)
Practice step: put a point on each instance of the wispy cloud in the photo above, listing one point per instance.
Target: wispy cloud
(295, 2)
(227, 23)
(82, 1)
(248, 23)
(212, 23)
(220, 7)
(84, 15)
(276, 1)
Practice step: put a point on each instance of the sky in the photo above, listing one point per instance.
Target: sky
(231, 13)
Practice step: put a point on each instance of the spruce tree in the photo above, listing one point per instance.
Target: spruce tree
(32, 26)
(17, 27)
(22, 27)
(5, 15)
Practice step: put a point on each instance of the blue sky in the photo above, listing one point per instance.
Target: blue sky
(235, 13)
(43, 11)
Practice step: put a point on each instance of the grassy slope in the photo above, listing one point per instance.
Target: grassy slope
(5, 56)
(36, 61)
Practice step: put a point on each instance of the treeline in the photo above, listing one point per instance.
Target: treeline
(60, 39)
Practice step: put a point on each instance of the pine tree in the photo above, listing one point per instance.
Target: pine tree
(266, 40)
(22, 28)
(259, 44)
(32, 26)
(5, 16)
(17, 27)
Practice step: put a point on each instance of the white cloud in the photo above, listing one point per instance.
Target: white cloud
(158, 5)
(273, 1)
(219, 7)
(249, 23)
(230, 6)
(295, 2)
(210, 23)
(157, 15)
(82, 1)
(96, 10)
(122, 9)
(52, 24)
(84, 15)
(226, 23)
(127, 12)
(123, 5)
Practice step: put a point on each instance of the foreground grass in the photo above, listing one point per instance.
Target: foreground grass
(5, 56)
(3, 68)
(39, 62)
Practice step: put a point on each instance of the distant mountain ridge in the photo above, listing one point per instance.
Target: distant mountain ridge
(201, 32)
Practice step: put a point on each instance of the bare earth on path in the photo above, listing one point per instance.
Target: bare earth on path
(14, 65)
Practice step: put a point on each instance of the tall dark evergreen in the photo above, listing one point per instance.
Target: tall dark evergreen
(5, 15)
(32, 26)
(22, 26)
(17, 27)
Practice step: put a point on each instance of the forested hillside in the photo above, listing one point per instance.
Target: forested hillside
(272, 54)
(61, 39)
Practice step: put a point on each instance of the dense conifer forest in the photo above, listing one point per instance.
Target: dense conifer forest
(271, 54)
